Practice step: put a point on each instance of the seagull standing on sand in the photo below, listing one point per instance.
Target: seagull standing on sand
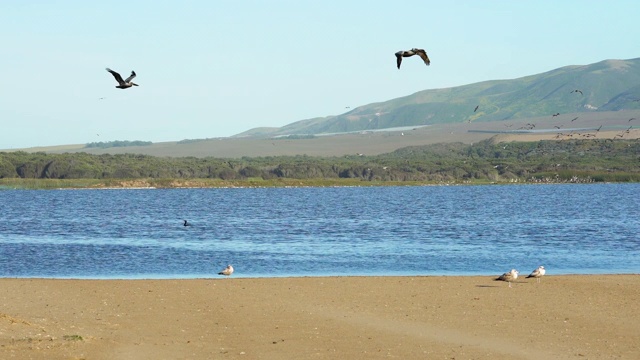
(537, 273)
(508, 276)
(227, 271)
(123, 84)
(409, 53)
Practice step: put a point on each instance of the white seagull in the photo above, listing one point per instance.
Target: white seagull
(123, 84)
(537, 273)
(509, 276)
(408, 53)
(227, 271)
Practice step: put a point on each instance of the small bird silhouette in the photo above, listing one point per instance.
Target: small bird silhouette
(576, 90)
(477, 106)
(186, 223)
(574, 119)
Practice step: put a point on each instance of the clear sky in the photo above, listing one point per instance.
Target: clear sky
(217, 68)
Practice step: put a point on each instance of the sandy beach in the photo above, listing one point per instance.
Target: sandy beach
(470, 317)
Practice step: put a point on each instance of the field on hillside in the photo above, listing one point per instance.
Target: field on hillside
(379, 142)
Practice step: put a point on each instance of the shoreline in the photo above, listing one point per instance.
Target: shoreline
(267, 277)
(360, 317)
(55, 184)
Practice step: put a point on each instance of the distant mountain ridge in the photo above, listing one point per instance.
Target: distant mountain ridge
(608, 85)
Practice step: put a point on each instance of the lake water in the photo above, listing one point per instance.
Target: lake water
(275, 232)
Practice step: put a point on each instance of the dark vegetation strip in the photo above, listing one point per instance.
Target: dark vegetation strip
(117, 143)
(544, 161)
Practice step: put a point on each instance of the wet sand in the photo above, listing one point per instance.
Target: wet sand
(470, 317)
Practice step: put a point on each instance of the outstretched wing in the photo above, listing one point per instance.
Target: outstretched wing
(424, 56)
(117, 76)
(399, 58)
(133, 74)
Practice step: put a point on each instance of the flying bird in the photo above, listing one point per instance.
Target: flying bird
(556, 114)
(631, 119)
(409, 53)
(576, 90)
(537, 273)
(508, 276)
(227, 271)
(574, 119)
(477, 106)
(123, 84)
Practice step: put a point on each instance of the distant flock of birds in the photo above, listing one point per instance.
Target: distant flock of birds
(127, 83)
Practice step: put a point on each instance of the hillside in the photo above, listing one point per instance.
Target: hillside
(609, 85)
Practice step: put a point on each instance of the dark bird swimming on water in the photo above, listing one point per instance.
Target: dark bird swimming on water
(123, 84)
(409, 53)
(186, 223)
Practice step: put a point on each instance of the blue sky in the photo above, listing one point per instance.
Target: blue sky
(217, 68)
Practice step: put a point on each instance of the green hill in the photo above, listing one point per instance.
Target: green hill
(609, 85)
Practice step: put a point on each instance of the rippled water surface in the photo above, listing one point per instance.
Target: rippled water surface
(427, 230)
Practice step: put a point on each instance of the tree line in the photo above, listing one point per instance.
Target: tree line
(569, 160)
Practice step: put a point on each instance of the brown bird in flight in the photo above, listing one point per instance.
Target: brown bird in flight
(409, 53)
(123, 84)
